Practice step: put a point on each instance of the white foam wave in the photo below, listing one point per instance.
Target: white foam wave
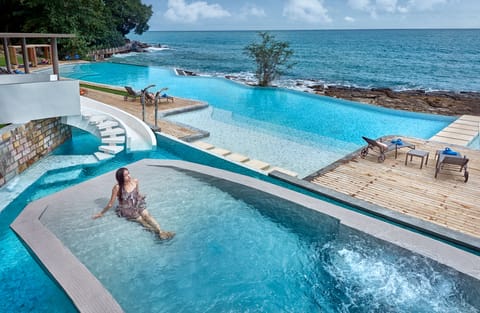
(125, 55)
(395, 284)
(162, 48)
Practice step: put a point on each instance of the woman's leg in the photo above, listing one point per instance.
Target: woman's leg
(154, 224)
(142, 221)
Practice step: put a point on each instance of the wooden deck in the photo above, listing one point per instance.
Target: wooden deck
(447, 200)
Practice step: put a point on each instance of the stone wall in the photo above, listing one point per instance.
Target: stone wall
(21, 146)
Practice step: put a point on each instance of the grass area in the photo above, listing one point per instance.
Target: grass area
(3, 63)
(104, 89)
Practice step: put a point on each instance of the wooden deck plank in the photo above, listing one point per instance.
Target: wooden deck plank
(446, 200)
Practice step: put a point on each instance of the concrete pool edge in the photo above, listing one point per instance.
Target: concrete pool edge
(89, 295)
(83, 288)
(440, 232)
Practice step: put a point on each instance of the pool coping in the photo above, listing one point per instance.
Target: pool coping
(89, 295)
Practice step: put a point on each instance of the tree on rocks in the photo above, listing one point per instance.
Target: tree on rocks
(271, 57)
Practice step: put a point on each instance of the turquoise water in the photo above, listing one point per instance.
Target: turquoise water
(239, 250)
(310, 258)
(304, 125)
(428, 59)
(279, 109)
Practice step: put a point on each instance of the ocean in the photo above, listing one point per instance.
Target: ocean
(426, 59)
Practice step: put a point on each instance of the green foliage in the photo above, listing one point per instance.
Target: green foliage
(97, 23)
(271, 57)
(104, 89)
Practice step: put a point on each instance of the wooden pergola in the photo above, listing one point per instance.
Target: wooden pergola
(28, 51)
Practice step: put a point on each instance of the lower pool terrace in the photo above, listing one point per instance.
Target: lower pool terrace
(233, 230)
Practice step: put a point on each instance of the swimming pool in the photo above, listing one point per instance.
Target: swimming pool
(239, 248)
(295, 130)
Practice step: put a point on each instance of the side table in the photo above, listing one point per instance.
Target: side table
(419, 154)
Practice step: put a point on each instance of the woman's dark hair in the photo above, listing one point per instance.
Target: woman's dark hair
(121, 180)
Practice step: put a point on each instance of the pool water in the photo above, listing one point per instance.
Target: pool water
(323, 126)
(206, 216)
(81, 143)
(239, 250)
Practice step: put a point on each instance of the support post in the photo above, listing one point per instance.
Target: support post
(7, 55)
(53, 43)
(25, 56)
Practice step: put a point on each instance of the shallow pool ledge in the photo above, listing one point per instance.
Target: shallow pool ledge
(86, 292)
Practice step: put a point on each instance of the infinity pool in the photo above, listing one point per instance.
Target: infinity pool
(239, 249)
(294, 130)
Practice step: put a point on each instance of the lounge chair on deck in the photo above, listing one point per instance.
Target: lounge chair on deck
(384, 147)
(132, 94)
(164, 96)
(452, 163)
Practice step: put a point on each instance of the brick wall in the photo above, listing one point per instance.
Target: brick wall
(21, 146)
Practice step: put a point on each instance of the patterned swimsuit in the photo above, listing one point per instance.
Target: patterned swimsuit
(131, 204)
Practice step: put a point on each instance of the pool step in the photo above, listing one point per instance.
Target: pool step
(107, 124)
(109, 132)
(242, 159)
(114, 140)
(111, 149)
(103, 156)
(97, 119)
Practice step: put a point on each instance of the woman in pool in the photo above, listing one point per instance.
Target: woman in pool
(131, 204)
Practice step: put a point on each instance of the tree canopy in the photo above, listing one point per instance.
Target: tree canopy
(97, 23)
(271, 57)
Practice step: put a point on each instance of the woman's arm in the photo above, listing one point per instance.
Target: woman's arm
(110, 203)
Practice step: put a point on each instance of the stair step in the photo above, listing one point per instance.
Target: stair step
(111, 149)
(220, 151)
(203, 145)
(113, 140)
(107, 124)
(112, 132)
(237, 157)
(102, 156)
(96, 119)
(260, 165)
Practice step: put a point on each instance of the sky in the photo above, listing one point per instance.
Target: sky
(312, 14)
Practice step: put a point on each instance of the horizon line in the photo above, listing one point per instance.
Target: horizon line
(310, 29)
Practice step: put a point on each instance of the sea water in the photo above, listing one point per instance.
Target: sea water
(428, 59)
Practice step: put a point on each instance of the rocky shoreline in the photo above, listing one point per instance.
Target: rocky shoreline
(435, 102)
(432, 102)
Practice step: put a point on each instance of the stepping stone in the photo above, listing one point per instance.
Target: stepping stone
(112, 132)
(203, 145)
(102, 156)
(220, 151)
(113, 140)
(260, 165)
(284, 171)
(111, 149)
(237, 157)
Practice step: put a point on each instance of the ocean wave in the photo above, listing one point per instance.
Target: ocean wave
(126, 55)
(161, 48)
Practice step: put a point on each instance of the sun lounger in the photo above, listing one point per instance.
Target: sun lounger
(452, 163)
(384, 147)
(160, 96)
(132, 94)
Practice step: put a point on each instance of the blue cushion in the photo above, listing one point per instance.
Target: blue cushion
(397, 141)
(449, 151)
